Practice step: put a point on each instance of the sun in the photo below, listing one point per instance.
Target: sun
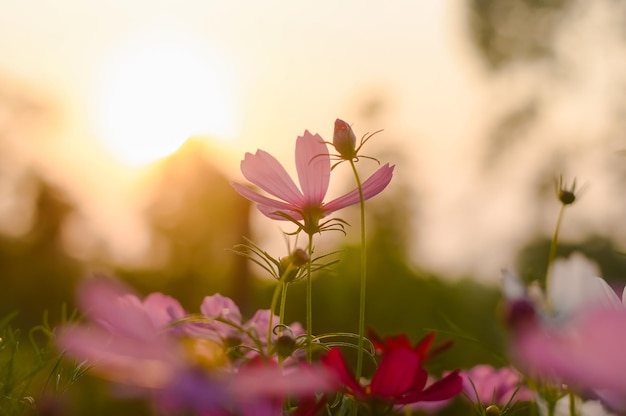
(158, 90)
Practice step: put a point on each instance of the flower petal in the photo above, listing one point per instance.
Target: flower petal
(120, 358)
(115, 307)
(220, 307)
(162, 309)
(588, 353)
(270, 212)
(573, 286)
(334, 361)
(397, 373)
(261, 199)
(313, 165)
(263, 170)
(371, 187)
(444, 389)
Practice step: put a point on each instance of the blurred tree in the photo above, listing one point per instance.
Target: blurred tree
(507, 32)
(558, 77)
(532, 261)
(196, 217)
(36, 274)
(518, 38)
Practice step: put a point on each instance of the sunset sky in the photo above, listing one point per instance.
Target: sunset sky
(130, 81)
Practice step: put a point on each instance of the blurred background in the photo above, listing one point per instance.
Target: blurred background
(122, 124)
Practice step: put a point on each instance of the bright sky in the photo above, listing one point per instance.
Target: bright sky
(255, 74)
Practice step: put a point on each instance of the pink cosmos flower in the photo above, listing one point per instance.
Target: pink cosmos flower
(126, 340)
(578, 340)
(307, 202)
(131, 341)
(494, 386)
(225, 326)
(587, 353)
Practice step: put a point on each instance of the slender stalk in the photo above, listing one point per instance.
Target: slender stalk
(283, 302)
(553, 247)
(309, 303)
(572, 404)
(270, 326)
(555, 237)
(359, 359)
(281, 288)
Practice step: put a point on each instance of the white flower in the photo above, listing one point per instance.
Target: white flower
(574, 285)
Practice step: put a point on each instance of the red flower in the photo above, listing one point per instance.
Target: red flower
(422, 348)
(399, 379)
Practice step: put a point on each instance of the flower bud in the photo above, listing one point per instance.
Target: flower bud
(285, 346)
(344, 140)
(493, 410)
(299, 257)
(289, 266)
(567, 196)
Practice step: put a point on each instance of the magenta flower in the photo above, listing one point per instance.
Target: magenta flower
(489, 385)
(399, 379)
(307, 202)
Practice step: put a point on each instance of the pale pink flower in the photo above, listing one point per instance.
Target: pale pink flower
(224, 315)
(126, 339)
(587, 353)
(134, 342)
(497, 386)
(307, 202)
(252, 333)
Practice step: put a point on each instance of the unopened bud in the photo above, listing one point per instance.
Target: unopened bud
(567, 196)
(344, 140)
(299, 257)
(285, 346)
(290, 265)
(493, 410)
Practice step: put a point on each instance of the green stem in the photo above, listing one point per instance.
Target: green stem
(359, 358)
(572, 404)
(281, 287)
(283, 302)
(277, 290)
(309, 303)
(553, 247)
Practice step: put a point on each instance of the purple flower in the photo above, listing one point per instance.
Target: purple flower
(307, 202)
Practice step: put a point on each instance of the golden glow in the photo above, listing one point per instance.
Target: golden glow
(157, 91)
